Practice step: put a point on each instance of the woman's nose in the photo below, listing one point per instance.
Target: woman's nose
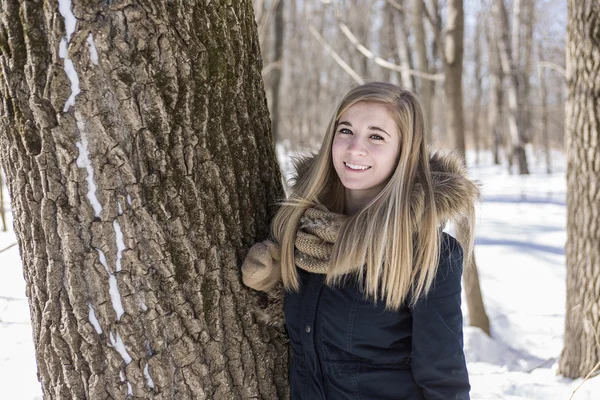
(356, 147)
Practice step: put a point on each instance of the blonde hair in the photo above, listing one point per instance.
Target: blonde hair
(398, 261)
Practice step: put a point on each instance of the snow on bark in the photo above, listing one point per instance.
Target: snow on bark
(117, 342)
(93, 319)
(149, 380)
(113, 290)
(93, 51)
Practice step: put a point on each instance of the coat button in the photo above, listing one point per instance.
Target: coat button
(307, 328)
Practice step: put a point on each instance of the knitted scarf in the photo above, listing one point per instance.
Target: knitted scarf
(317, 233)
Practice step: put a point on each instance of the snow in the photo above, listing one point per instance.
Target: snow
(93, 319)
(93, 51)
(129, 388)
(83, 161)
(149, 380)
(120, 243)
(520, 253)
(113, 290)
(64, 7)
(117, 342)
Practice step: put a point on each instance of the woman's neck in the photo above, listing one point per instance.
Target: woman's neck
(355, 202)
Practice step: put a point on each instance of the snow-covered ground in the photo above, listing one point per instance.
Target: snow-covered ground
(520, 254)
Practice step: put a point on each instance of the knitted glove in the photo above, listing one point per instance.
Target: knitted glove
(261, 269)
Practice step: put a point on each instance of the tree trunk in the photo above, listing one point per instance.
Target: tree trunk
(137, 149)
(510, 68)
(402, 34)
(581, 353)
(526, 71)
(478, 87)
(496, 91)
(425, 86)
(453, 60)
(544, 134)
(2, 213)
(279, 33)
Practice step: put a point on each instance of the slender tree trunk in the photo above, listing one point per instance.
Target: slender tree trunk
(453, 58)
(425, 86)
(453, 66)
(496, 91)
(279, 33)
(510, 68)
(581, 352)
(526, 71)
(137, 149)
(404, 49)
(544, 134)
(478, 87)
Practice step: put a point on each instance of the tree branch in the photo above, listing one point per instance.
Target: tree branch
(397, 5)
(551, 65)
(6, 248)
(437, 32)
(383, 63)
(336, 56)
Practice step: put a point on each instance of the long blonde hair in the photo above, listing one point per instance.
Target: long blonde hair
(398, 261)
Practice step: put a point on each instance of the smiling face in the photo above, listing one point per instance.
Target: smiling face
(365, 151)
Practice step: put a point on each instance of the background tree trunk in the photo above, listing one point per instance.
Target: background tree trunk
(478, 87)
(425, 86)
(137, 149)
(510, 63)
(496, 90)
(581, 354)
(279, 34)
(453, 60)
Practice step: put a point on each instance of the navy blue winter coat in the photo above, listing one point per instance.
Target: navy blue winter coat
(345, 347)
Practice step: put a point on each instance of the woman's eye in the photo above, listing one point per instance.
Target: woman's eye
(376, 137)
(345, 131)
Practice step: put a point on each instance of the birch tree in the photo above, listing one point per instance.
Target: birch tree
(136, 143)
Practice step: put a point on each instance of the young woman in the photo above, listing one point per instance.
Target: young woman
(372, 284)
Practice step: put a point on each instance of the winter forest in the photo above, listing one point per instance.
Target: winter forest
(144, 146)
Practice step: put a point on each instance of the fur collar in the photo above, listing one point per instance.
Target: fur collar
(454, 193)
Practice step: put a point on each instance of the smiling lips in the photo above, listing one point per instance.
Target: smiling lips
(356, 167)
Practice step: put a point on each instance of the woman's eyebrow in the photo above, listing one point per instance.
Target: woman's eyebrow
(376, 128)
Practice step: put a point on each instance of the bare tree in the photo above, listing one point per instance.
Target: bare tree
(478, 86)
(136, 145)
(510, 68)
(452, 55)
(495, 90)
(581, 353)
(426, 87)
(279, 33)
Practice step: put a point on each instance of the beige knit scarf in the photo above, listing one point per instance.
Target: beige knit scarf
(317, 233)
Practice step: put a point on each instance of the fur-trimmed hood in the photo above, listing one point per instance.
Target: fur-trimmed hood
(454, 194)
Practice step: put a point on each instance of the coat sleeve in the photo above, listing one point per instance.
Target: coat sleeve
(438, 360)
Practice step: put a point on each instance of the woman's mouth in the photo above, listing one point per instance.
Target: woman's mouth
(356, 167)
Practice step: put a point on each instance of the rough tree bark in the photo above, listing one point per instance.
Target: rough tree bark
(136, 143)
(581, 353)
(2, 214)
